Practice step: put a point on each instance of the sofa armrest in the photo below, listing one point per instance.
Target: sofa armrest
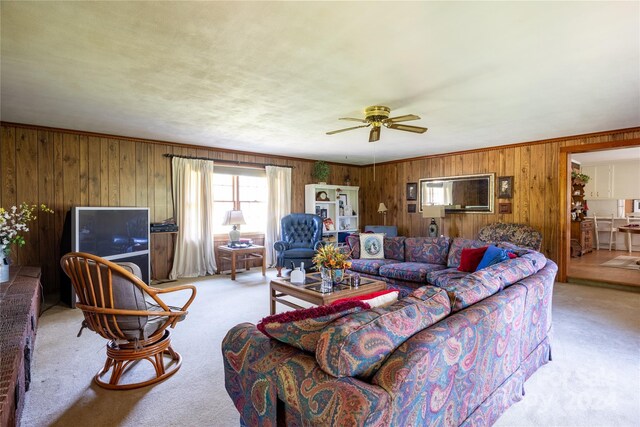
(250, 359)
(319, 244)
(280, 246)
(313, 397)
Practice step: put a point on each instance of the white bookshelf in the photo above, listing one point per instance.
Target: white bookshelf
(334, 207)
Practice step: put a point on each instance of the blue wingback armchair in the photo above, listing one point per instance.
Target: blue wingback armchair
(301, 235)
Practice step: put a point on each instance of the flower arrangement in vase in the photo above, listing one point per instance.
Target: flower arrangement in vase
(13, 224)
(331, 262)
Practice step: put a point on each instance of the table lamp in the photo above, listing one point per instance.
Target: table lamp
(433, 212)
(234, 218)
(383, 210)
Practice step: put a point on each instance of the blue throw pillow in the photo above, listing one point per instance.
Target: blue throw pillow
(493, 255)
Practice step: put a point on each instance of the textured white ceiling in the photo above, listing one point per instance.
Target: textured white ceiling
(272, 77)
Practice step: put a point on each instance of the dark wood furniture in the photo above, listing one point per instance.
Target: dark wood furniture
(583, 231)
(113, 301)
(309, 292)
(20, 299)
(162, 252)
(236, 255)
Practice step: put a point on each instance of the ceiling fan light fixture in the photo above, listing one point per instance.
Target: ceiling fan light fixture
(378, 116)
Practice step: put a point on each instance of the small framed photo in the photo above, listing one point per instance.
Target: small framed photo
(504, 208)
(411, 208)
(412, 191)
(342, 200)
(324, 213)
(505, 187)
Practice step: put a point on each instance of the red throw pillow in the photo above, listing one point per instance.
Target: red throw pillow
(374, 299)
(470, 258)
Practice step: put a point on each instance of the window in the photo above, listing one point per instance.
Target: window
(240, 192)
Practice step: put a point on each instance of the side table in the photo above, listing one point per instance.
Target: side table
(243, 254)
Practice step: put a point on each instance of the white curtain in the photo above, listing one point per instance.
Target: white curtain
(278, 205)
(193, 206)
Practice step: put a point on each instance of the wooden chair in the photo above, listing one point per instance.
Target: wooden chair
(632, 218)
(112, 299)
(604, 223)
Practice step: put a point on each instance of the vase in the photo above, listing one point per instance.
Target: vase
(4, 265)
(330, 278)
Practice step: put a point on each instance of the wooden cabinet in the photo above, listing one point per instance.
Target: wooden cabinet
(338, 203)
(583, 232)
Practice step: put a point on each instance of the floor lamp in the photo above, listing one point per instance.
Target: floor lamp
(433, 212)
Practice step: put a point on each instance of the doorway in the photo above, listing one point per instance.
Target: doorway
(588, 266)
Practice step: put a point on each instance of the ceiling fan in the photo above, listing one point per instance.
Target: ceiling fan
(377, 116)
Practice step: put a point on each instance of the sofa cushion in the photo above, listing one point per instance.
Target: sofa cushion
(301, 328)
(455, 251)
(440, 278)
(492, 255)
(470, 258)
(409, 271)
(393, 247)
(300, 253)
(372, 246)
(471, 288)
(358, 344)
(430, 250)
(370, 266)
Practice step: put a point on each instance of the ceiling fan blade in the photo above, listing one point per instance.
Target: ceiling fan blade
(353, 119)
(374, 135)
(404, 118)
(416, 129)
(344, 130)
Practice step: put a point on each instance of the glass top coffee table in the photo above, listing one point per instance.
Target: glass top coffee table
(311, 292)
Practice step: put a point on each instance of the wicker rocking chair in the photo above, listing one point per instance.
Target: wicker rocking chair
(112, 299)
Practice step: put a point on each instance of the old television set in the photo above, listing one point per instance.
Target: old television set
(118, 234)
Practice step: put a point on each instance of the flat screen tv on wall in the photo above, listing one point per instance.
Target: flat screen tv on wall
(118, 234)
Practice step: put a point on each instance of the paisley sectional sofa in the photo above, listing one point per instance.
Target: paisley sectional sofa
(455, 351)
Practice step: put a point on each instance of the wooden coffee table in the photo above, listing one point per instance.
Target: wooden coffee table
(310, 291)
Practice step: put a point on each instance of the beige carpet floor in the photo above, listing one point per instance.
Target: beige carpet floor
(594, 379)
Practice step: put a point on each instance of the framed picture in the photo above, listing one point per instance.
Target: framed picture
(505, 187)
(411, 208)
(504, 208)
(323, 213)
(318, 209)
(412, 191)
(342, 200)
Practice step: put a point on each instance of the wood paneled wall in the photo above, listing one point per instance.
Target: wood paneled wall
(536, 186)
(65, 168)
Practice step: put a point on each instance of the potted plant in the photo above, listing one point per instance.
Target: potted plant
(321, 171)
(579, 178)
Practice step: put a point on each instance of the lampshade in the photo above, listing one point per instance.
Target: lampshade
(382, 208)
(432, 211)
(234, 218)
